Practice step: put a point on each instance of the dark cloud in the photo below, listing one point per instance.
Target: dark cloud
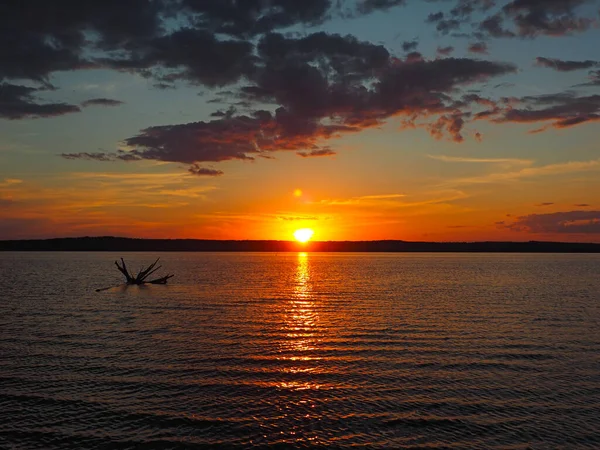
(188, 54)
(318, 152)
(208, 42)
(332, 54)
(545, 204)
(410, 46)
(414, 57)
(239, 137)
(493, 26)
(594, 79)
(458, 15)
(19, 102)
(102, 156)
(99, 156)
(565, 66)
(368, 6)
(452, 124)
(445, 26)
(479, 47)
(574, 222)
(102, 102)
(435, 17)
(514, 18)
(359, 82)
(199, 41)
(195, 169)
(40, 37)
(324, 86)
(583, 205)
(550, 17)
(563, 110)
(296, 93)
(464, 8)
(445, 51)
(164, 86)
(251, 17)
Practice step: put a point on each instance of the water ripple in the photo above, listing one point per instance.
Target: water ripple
(303, 351)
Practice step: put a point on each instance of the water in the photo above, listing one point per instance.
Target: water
(301, 350)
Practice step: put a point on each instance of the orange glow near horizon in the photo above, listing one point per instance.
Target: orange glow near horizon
(303, 234)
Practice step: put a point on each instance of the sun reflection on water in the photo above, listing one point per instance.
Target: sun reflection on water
(300, 327)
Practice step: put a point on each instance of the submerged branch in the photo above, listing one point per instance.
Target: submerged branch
(145, 272)
(141, 277)
(124, 271)
(162, 280)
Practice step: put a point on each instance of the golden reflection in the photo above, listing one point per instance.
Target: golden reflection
(300, 327)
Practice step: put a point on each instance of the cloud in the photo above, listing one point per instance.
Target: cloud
(553, 18)
(461, 159)
(319, 152)
(118, 189)
(564, 110)
(570, 222)
(582, 205)
(451, 124)
(445, 51)
(565, 66)
(248, 18)
(10, 182)
(18, 102)
(35, 45)
(381, 196)
(297, 92)
(99, 156)
(514, 18)
(594, 79)
(410, 46)
(527, 172)
(102, 102)
(394, 201)
(195, 169)
(367, 200)
(545, 204)
(368, 6)
(479, 48)
(189, 54)
(494, 26)
(140, 35)
(298, 218)
(102, 156)
(325, 86)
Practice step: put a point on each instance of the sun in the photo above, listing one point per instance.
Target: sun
(303, 234)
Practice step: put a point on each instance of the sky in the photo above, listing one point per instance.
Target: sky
(419, 120)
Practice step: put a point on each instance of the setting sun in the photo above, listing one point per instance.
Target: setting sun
(303, 234)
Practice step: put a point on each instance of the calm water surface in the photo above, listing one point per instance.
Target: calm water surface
(301, 350)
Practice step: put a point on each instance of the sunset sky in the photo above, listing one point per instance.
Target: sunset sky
(438, 120)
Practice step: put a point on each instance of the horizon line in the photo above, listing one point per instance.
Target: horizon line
(531, 241)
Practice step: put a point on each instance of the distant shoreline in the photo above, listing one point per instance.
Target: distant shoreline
(119, 244)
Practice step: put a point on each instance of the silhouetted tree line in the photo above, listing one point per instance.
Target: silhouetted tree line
(118, 244)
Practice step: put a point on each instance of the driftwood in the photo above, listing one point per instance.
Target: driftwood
(142, 275)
